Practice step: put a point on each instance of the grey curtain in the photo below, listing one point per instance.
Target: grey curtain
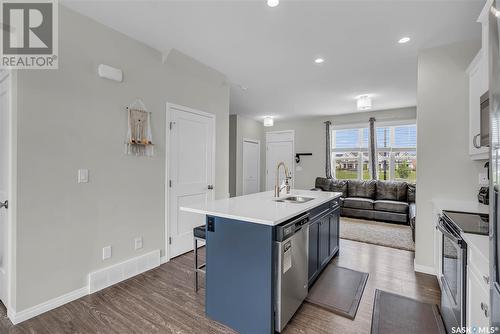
(372, 149)
(328, 160)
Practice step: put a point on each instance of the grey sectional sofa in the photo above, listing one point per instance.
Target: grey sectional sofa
(389, 201)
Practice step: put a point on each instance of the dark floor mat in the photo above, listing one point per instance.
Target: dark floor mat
(395, 314)
(338, 290)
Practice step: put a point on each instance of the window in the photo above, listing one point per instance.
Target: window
(350, 153)
(396, 153)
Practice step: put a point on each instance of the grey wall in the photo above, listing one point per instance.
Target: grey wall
(310, 138)
(242, 127)
(69, 119)
(445, 170)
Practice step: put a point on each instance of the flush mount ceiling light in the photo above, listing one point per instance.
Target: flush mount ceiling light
(273, 3)
(404, 40)
(364, 102)
(268, 121)
(319, 60)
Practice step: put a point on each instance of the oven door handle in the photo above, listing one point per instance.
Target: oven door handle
(440, 226)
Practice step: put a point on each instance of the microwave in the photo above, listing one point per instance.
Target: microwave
(484, 135)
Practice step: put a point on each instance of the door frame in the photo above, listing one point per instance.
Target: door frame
(254, 141)
(168, 113)
(292, 168)
(12, 191)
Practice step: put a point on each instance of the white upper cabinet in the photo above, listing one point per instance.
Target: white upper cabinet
(478, 85)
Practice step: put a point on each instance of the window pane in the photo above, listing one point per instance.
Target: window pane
(405, 166)
(366, 169)
(384, 165)
(346, 165)
(405, 136)
(364, 142)
(383, 137)
(348, 138)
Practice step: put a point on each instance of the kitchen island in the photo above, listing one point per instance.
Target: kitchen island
(245, 260)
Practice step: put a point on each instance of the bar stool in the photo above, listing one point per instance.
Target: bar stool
(199, 234)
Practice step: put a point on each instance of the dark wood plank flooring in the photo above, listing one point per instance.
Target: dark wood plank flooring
(163, 301)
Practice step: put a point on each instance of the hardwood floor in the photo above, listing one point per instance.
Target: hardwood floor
(163, 301)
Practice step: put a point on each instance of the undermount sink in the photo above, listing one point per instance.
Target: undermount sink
(294, 199)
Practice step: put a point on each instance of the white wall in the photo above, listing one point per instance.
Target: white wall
(445, 170)
(242, 127)
(310, 138)
(69, 119)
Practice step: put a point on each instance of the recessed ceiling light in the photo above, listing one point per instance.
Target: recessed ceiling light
(404, 40)
(319, 60)
(364, 102)
(273, 3)
(268, 121)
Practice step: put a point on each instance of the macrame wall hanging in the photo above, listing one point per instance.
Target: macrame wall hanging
(139, 138)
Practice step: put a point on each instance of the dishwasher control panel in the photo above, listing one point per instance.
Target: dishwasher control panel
(288, 228)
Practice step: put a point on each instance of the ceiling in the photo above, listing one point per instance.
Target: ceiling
(268, 53)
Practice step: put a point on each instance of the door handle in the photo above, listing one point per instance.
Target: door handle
(474, 141)
(210, 187)
(4, 204)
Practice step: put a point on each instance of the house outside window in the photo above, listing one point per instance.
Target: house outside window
(350, 153)
(396, 153)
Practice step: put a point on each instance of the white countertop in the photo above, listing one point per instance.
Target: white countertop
(260, 208)
(464, 206)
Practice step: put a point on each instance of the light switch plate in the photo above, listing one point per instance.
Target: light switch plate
(83, 176)
(106, 252)
(483, 179)
(138, 243)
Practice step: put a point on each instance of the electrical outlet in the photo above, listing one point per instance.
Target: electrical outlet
(106, 252)
(138, 243)
(483, 179)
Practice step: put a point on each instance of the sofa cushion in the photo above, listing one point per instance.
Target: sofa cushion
(391, 206)
(392, 191)
(358, 203)
(365, 189)
(340, 186)
(331, 185)
(412, 193)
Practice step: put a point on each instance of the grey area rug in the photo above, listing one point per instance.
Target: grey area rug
(378, 233)
(395, 314)
(339, 290)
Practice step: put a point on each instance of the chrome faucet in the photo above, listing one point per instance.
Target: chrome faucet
(277, 187)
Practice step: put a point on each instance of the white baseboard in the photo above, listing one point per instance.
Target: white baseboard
(163, 260)
(33, 311)
(424, 269)
(116, 273)
(97, 280)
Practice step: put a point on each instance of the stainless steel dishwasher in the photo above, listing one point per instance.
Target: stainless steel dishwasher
(291, 248)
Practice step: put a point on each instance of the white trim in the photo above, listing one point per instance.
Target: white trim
(51, 304)
(423, 269)
(121, 271)
(254, 141)
(11, 76)
(163, 260)
(170, 106)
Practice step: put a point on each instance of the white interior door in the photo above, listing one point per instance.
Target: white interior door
(279, 147)
(251, 166)
(191, 172)
(4, 178)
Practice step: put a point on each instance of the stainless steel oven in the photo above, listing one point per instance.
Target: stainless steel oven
(453, 279)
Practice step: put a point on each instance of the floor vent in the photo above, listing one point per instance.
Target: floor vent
(106, 277)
